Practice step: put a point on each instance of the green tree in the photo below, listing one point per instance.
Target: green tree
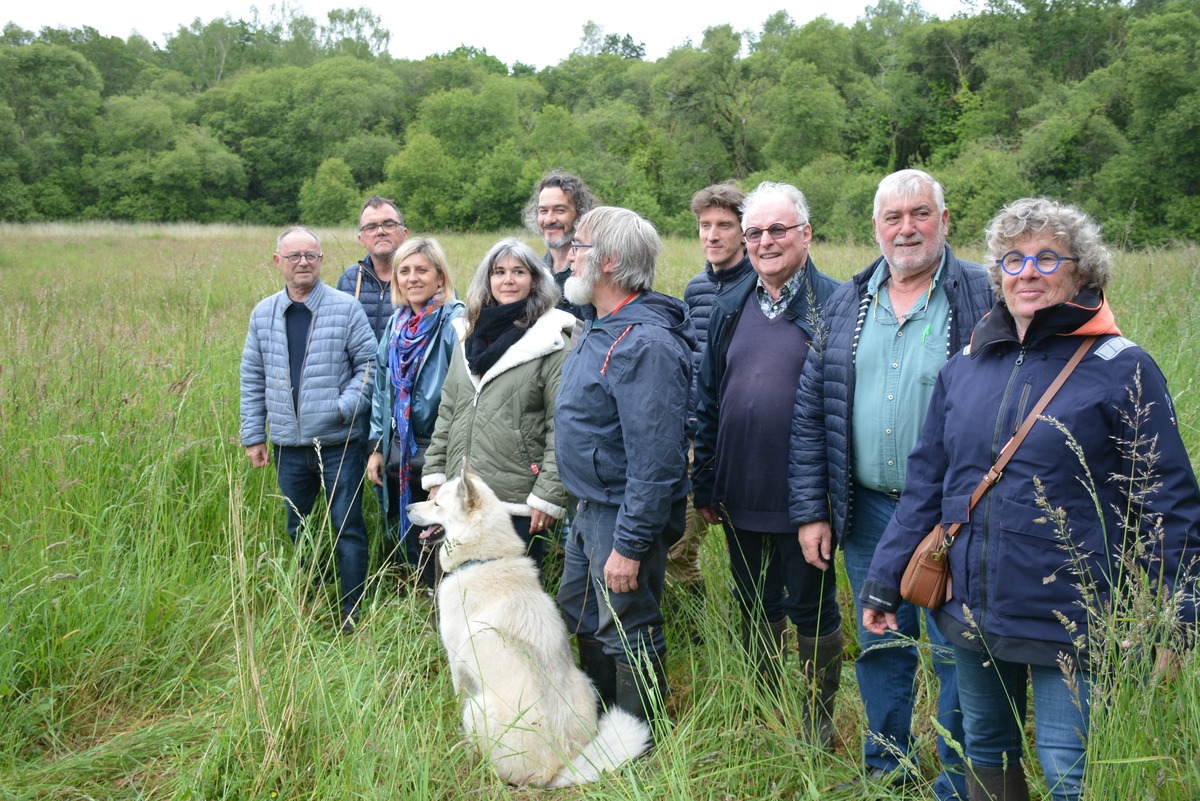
(470, 123)
(331, 196)
(713, 86)
(354, 32)
(119, 64)
(426, 181)
(53, 94)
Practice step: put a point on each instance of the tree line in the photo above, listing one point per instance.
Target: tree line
(1095, 102)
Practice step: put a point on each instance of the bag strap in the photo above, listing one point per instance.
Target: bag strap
(1006, 453)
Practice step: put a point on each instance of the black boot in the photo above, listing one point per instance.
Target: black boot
(822, 661)
(996, 784)
(600, 668)
(642, 691)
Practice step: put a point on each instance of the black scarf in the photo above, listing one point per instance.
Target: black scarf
(493, 334)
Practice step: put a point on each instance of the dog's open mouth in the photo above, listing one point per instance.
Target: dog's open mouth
(431, 536)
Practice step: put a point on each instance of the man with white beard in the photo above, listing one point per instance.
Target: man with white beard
(621, 434)
(859, 407)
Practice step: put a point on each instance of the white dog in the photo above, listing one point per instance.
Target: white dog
(525, 704)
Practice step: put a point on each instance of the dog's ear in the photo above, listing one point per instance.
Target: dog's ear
(466, 468)
(468, 491)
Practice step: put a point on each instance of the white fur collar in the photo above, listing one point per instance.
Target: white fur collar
(547, 335)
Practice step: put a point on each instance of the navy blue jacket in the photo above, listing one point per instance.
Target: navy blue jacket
(820, 469)
(700, 294)
(805, 310)
(374, 294)
(621, 417)
(1016, 565)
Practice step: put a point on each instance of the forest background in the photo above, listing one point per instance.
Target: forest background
(1095, 102)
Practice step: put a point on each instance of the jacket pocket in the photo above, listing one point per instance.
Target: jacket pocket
(1039, 569)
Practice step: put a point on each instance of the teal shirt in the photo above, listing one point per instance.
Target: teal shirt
(895, 368)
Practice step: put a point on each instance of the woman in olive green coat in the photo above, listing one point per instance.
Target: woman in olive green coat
(497, 408)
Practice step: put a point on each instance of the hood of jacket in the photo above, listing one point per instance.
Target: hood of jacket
(1087, 314)
(549, 333)
(649, 308)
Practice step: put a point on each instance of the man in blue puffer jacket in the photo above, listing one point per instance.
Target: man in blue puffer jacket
(718, 210)
(304, 378)
(860, 403)
(381, 231)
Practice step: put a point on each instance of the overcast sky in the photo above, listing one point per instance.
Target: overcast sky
(535, 33)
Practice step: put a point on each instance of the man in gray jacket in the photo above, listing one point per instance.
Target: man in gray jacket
(304, 378)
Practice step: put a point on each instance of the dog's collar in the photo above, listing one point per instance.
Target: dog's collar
(471, 562)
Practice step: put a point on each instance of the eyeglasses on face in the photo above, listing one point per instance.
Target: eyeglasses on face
(1045, 262)
(387, 225)
(777, 231)
(295, 258)
(580, 246)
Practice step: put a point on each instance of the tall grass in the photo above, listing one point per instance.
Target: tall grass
(155, 636)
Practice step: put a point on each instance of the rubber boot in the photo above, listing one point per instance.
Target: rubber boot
(642, 691)
(822, 661)
(997, 784)
(600, 668)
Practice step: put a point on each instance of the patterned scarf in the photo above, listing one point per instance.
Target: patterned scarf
(406, 350)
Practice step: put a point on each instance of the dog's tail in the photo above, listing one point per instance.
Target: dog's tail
(620, 737)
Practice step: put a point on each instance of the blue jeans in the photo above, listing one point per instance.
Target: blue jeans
(628, 624)
(772, 580)
(887, 672)
(994, 703)
(339, 468)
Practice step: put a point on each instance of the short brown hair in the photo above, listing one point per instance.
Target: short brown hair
(721, 196)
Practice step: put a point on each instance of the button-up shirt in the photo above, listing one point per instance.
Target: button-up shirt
(772, 308)
(896, 366)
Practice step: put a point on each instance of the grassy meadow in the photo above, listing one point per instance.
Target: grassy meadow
(154, 642)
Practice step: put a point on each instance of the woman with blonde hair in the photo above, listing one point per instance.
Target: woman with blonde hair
(411, 364)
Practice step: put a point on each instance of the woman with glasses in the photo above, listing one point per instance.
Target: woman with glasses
(497, 407)
(1098, 497)
(411, 364)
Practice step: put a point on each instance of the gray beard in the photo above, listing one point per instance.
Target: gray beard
(580, 290)
(557, 244)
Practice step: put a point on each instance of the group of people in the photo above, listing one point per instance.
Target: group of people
(784, 406)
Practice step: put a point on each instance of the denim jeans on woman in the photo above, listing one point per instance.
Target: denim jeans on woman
(994, 703)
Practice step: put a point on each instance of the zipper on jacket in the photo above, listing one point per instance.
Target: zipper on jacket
(1021, 405)
(987, 504)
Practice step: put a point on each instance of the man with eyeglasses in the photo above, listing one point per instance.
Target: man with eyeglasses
(620, 428)
(304, 381)
(859, 408)
(381, 231)
(759, 335)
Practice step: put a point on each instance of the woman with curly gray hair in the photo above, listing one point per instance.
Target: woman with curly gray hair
(497, 406)
(1040, 558)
